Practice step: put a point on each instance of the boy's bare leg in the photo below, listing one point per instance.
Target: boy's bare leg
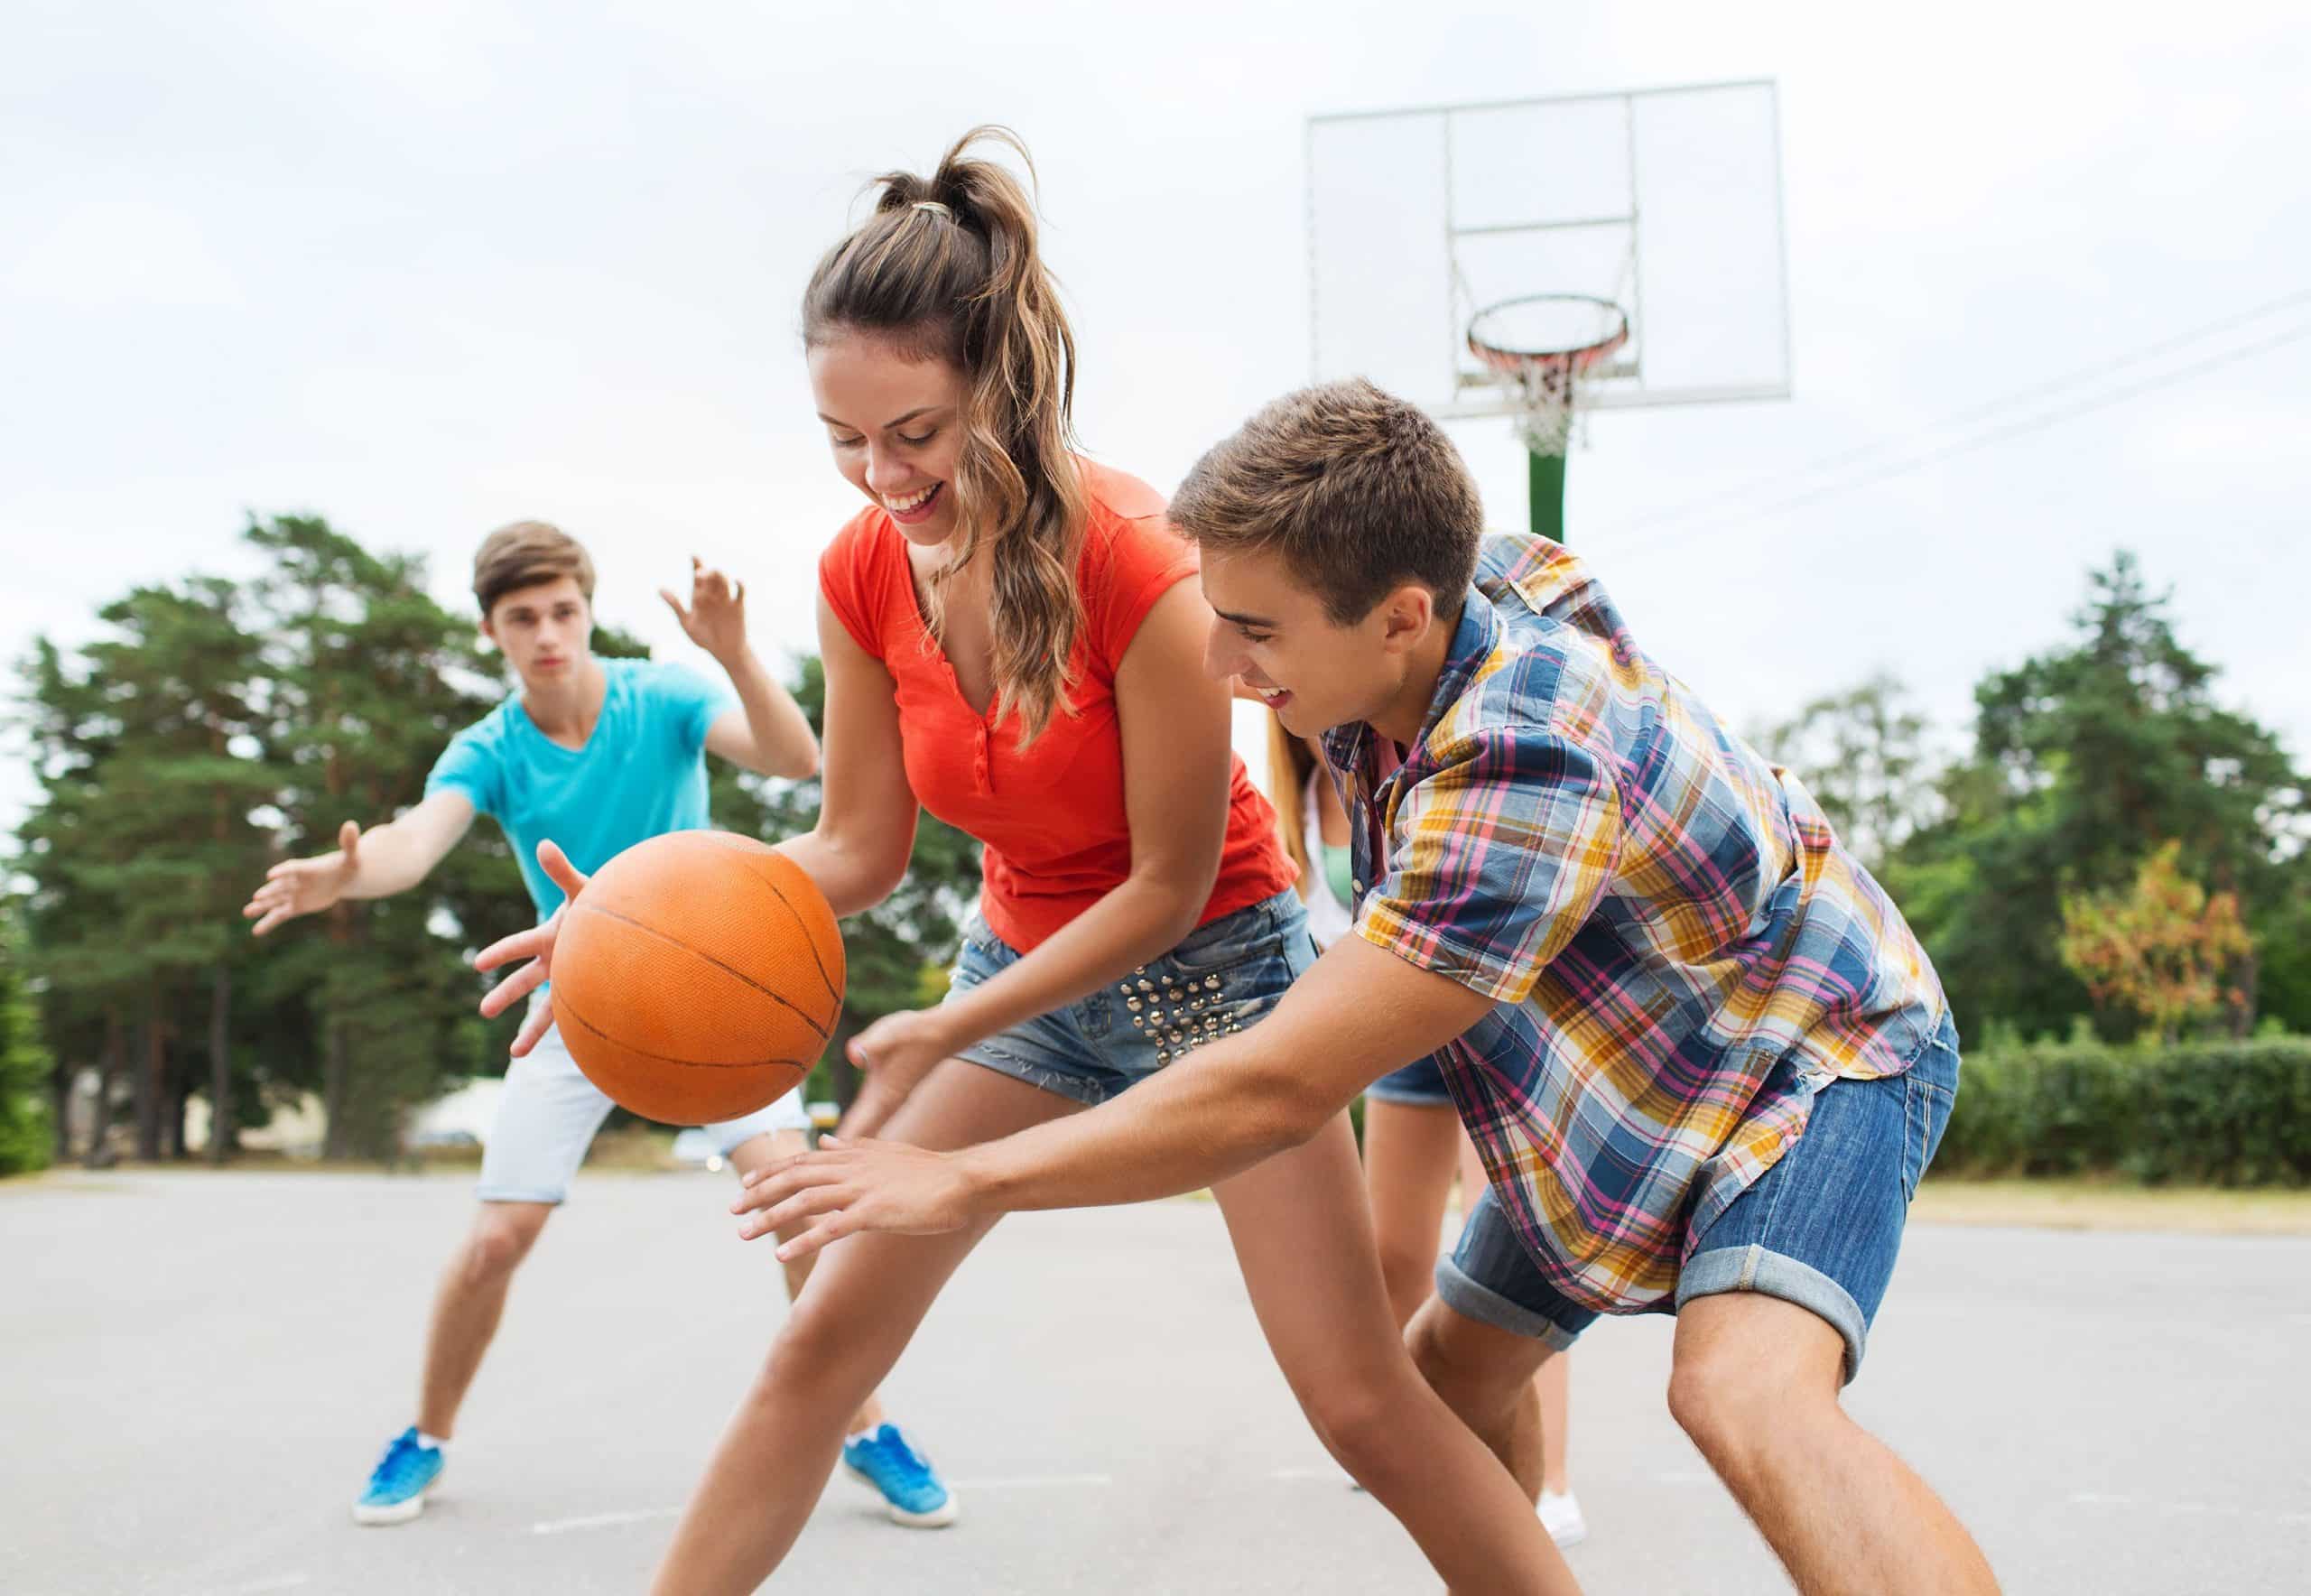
(468, 1305)
(1754, 1380)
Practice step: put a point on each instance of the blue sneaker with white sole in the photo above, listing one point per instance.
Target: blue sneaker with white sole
(911, 1491)
(398, 1486)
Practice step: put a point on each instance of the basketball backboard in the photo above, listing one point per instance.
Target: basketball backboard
(1665, 203)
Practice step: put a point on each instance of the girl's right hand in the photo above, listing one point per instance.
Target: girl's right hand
(536, 945)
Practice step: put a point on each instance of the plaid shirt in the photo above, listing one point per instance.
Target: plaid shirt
(1660, 916)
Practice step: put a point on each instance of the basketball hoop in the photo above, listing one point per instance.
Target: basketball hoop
(1541, 345)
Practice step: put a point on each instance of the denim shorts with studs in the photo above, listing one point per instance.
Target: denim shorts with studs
(1222, 978)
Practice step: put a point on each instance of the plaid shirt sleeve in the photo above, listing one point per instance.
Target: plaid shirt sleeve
(1496, 859)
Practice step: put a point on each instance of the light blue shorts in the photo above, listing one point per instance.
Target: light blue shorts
(549, 1112)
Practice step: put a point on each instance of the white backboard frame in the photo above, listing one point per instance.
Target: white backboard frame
(1667, 200)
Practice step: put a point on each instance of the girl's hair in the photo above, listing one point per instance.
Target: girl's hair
(947, 268)
(1289, 763)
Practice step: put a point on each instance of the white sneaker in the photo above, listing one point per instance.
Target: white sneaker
(1560, 1513)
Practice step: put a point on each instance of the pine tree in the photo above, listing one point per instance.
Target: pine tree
(2087, 759)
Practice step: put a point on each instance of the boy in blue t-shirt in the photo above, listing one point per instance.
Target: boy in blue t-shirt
(597, 755)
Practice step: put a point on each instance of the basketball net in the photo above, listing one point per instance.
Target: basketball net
(1539, 347)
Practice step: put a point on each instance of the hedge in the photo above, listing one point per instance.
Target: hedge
(2223, 1113)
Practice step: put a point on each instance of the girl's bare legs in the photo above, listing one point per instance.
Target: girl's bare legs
(866, 1298)
(753, 1153)
(1409, 1152)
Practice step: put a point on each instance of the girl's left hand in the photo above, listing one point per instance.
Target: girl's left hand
(897, 1051)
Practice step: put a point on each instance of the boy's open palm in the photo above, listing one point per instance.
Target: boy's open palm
(716, 617)
(536, 945)
(305, 887)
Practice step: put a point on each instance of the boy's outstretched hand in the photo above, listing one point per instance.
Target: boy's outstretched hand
(536, 945)
(715, 618)
(847, 1187)
(305, 887)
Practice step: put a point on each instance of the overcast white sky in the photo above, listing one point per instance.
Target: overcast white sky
(428, 267)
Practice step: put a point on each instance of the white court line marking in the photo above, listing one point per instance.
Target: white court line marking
(605, 1521)
(1331, 1473)
(1006, 1482)
(651, 1515)
(285, 1581)
(2095, 1498)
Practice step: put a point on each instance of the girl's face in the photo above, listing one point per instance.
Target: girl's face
(895, 426)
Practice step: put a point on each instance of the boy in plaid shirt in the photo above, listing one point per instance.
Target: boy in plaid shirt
(1703, 1057)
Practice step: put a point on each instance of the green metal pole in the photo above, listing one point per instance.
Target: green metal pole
(1545, 478)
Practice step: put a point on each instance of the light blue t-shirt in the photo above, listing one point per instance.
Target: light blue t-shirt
(641, 773)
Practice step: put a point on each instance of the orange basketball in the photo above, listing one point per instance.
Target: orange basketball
(697, 977)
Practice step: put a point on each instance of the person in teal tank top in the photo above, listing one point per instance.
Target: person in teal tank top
(598, 755)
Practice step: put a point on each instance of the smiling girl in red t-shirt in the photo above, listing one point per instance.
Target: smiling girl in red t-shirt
(1011, 640)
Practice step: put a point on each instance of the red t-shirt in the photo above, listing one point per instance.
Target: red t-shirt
(1052, 817)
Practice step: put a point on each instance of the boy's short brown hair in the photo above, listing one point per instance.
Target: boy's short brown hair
(1358, 491)
(524, 554)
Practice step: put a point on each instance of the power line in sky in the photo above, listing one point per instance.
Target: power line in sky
(1738, 503)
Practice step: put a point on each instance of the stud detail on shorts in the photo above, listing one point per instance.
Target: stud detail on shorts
(1212, 983)
(1131, 1003)
(1163, 1055)
(1137, 1023)
(1147, 986)
(1212, 1022)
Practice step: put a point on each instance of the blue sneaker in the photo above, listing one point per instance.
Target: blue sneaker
(398, 1485)
(910, 1489)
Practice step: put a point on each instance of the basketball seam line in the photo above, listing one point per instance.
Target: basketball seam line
(809, 941)
(736, 974)
(667, 1058)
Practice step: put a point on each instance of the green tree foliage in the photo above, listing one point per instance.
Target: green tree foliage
(2163, 947)
(137, 856)
(24, 1062)
(211, 727)
(369, 678)
(2229, 1113)
(1863, 753)
(2087, 759)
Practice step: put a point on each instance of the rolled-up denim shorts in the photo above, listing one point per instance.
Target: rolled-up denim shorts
(1222, 978)
(1821, 1229)
(1420, 1084)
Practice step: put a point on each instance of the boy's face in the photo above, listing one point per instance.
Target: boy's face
(1277, 635)
(543, 631)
